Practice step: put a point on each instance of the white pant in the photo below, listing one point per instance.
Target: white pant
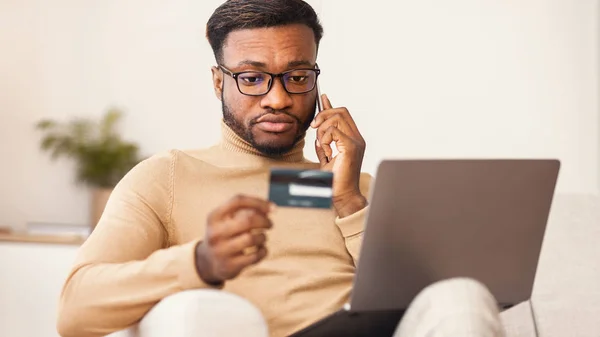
(456, 307)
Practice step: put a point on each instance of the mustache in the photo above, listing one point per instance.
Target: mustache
(274, 112)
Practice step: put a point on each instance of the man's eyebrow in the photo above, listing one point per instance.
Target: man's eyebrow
(252, 63)
(299, 63)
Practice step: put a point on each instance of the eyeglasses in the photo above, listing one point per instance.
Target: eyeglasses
(258, 83)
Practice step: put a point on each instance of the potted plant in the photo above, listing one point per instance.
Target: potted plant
(102, 157)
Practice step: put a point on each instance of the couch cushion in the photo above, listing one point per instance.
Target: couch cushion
(566, 296)
(518, 321)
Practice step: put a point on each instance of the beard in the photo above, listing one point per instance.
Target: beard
(270, 149)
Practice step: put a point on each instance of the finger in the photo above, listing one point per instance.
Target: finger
(336, 121)
(333, 134)
(321, 153)
(326, 106)
(324, 115)
(325, 149)
(326, 102)
(239, 202)
(239, 262)
(241, 243)
(244, 221)
(328, 114)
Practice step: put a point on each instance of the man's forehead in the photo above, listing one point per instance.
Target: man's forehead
(289, 46)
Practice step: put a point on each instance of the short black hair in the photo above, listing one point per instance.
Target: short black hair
(247, 14)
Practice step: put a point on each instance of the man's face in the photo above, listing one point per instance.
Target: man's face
(275, 121)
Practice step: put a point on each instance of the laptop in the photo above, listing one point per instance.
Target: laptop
(431, 220)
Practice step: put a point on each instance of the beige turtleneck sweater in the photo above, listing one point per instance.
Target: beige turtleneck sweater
(142, 250)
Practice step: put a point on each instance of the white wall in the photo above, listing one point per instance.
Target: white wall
(434, 78)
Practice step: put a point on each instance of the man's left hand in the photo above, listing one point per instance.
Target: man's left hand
(335, 125)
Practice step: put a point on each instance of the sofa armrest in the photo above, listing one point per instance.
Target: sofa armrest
(200, 313)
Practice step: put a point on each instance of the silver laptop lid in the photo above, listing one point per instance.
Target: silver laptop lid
(431, 220)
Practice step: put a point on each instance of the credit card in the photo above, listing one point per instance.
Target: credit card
(301, 188)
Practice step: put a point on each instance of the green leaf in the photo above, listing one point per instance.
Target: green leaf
(45, 124)
(102, 157)
(108, 124)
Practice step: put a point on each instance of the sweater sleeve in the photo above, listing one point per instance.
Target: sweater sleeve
(352, 226)
(125, 266)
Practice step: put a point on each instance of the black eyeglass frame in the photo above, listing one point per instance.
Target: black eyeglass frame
(235, 76)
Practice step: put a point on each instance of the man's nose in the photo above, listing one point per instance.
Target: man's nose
(277, 98)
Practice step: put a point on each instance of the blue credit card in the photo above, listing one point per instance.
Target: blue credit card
(301, 188)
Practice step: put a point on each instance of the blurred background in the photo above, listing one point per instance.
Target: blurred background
(423, 79)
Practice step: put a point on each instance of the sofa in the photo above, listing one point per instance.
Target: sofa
(566, 295)
(565, 300)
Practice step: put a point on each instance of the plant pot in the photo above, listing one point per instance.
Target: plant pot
(98, 202)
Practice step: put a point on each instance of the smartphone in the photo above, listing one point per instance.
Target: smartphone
(319, 99)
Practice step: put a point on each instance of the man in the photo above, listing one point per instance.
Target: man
(199, 219)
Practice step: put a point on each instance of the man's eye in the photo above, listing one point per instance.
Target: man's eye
(298, 79)
(252, 78)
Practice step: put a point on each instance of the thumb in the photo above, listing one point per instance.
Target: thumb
(320, 153)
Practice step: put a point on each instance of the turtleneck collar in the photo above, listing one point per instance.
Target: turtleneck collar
(232, 142)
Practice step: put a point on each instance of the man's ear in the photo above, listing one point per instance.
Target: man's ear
(217, 76)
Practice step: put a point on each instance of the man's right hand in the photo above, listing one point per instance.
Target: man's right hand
(234, 239)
